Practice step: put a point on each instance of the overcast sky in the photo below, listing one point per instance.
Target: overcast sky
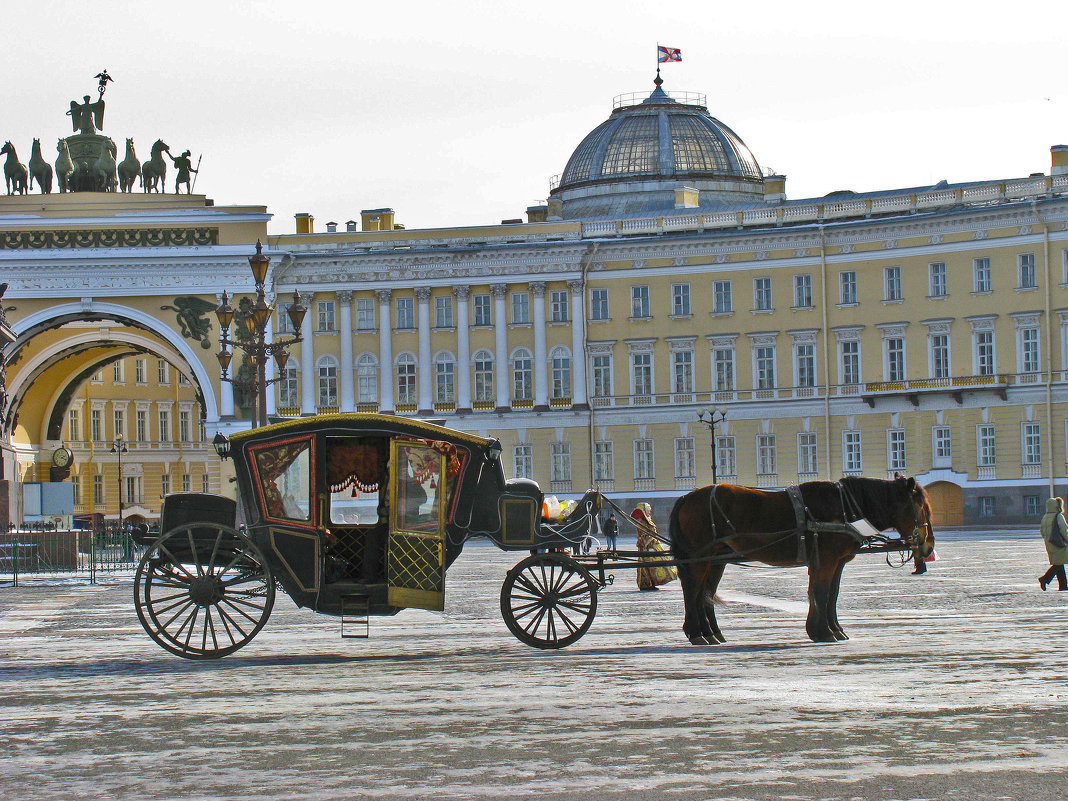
(458, 113)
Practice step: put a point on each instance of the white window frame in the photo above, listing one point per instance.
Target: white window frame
(639, 302)
(852, 451)
(937, 286)
(722, 298)
(985, 445)
(892, 284)
(685, 457)
(766, 455)
(1026, 276)
(644, 459)
(762, 297)
(807, 453)
(680, 300)
(981, 276)
(599, 303)
(847, 288)
(325, 320)
(895, 449)
(803, 291)
(1031, 443)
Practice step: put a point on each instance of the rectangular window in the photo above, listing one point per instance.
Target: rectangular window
(680, 300)
(895, 359)
(981, 275)
(141, 425)
(523, 461)
(405, 313)
(765, 368)
(282, 321)
(942, 445)
(73, 429)
(985, 446)
(182, 380)
(1032, 505)
(204, 483)
(762, 294)
(806, 364)
(847, 288)
(682, 370)
(96, 427)
(603, 461)
(643, 459)
(162, 372)
(1025, 264)
(895, 449)
(642, 373)
(327, 378)
(802, 291)
(807, 463)
(892, 279)
(726, 461)
(558, 306)
(325, 318)
(118, 423)
(599, 304)
(520, 308)
(766, 454)
(560, 468)
(724, 367)
(443, 312)
(165, 484)
(1028, 350)
(685, 457)
(984, 353)
(287, 388)
(365, 314)
(98, 490)
(639, 301)
(133, 489)
(722, 303)
(483, 376)
(560, 375)
(987, 506)
(483, 309)
(140, 371)
(164, 426)
(936, 272)
(187, 485)
(76, 485)
(939, 355)
(602, 376)
(445, 382)
(116, 372)
(183, 426)
(1032, 443)
(406, 381)
(523, 377)
(851, 456)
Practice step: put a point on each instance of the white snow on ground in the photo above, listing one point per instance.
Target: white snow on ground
(952, 687)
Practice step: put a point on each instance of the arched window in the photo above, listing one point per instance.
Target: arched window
(289, 387)
(522, 375)
(444, 378)
(366, 378)
(483, 361)
(327, 369)
(560, 363)
(405, 378)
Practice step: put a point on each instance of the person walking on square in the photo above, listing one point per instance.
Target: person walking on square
(611, 531)
(1054, 531)
(649, 578)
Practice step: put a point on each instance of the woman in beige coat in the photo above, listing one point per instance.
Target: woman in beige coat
(1054, 531)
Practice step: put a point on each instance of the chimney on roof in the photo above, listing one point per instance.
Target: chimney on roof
(352, 225)
(686, 197)
(305, 223)
(377, 219)
(331, 227)
(774, 188)
(537, 213)
(1059, 154)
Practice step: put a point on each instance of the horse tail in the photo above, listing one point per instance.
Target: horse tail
(678, 542)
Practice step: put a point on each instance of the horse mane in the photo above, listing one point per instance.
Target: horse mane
(874, 496)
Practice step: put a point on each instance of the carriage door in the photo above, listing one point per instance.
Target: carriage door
(415, 556)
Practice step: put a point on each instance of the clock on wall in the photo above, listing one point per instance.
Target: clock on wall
(62, 457)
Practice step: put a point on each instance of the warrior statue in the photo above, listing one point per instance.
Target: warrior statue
(84, 114)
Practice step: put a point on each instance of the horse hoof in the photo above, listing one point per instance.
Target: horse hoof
(699, 641)
(840, 635)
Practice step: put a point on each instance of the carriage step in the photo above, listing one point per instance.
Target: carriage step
(355, 617)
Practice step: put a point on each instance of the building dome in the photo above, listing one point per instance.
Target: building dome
(633, 162)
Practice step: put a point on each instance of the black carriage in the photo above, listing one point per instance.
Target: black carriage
(356, 515)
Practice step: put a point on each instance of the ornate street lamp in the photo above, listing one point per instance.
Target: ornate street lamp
(254, 339)
(711, 418)
(118, 447)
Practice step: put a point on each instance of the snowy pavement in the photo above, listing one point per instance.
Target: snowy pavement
(953, 686)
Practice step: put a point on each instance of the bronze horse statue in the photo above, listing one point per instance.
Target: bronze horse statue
(64, 166)
(105, 169)
(715, 523)
(15, 172)
(40, 170)
(129, 168)
(154, 171)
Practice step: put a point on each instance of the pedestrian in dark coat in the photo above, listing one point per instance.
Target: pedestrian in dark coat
(1054, 531)
(611, 531)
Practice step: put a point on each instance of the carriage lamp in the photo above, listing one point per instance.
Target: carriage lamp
(493, 451)
(221, 445)
(712, 418)
(253, 340)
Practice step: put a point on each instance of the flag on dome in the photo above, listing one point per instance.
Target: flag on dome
(666, 54)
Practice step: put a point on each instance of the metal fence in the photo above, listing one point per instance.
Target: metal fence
(28, 556)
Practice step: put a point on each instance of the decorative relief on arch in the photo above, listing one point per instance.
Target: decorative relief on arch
(189, 311)
(109, 238)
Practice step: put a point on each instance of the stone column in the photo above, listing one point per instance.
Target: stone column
(463, 350)
(426, 371)
(541, 357)
(226, 389)
(308, 384)
(578, 346)
(269, 372)
(500, 332)
(385, 352)
(347, 390)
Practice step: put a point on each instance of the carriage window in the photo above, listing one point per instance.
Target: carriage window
(356, 469)
(284, 475)
(419, 487)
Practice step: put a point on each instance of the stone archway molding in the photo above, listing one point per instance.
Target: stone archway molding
(90, 308)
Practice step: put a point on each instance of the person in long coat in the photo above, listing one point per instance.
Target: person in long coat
(1054, 531)
(649, 578)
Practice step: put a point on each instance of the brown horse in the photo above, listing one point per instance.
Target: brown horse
(727, 522)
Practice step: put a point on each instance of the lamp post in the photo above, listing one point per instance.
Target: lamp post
(712, 418)
(254, 343)
(118, 447)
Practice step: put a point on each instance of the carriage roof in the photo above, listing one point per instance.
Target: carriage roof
(361, 424)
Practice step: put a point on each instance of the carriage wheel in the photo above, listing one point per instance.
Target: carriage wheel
(203, 590)
(548, 600)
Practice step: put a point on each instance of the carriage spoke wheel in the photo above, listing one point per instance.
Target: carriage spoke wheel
(548, 600)
(203, 590)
